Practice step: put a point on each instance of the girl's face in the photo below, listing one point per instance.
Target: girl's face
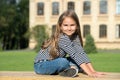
(68, 26)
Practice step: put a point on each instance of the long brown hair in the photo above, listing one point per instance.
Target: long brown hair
(53, 41)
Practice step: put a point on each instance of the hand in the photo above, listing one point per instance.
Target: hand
(101, 73)
(94, 74)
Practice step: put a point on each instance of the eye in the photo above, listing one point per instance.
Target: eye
(72, 25)
(65, 25)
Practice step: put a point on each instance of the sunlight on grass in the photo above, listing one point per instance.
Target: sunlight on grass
(23, 61)
(106, 61)
(17, 60)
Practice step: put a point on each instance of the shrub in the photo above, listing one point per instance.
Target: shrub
(39, 33)
(89, 46)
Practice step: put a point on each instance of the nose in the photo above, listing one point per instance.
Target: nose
(69, 27)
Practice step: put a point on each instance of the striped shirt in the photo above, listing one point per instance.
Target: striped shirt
(66, 46)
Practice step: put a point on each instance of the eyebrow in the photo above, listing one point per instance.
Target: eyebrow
(68, 24)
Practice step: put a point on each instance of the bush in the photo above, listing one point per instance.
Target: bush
(39, 33)
(90, 45)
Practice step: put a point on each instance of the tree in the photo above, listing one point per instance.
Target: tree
(39, 33)
(90, 45)
(22, 24)
(14, 20)
(6, 22)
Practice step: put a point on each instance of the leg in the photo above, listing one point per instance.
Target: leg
(73, 64)
(52, 67)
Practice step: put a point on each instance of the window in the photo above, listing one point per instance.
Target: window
(53, 29)
(118, 31)
(55, 8)
(40, 8)
(71, 6)
(86, 30)
(117, 6)
(103, 6)
(86, 7)
(103, 31)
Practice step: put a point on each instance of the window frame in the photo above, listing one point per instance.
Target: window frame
(118, 7)
(103, 7)
(86, 30)
(55, 10)
(71, 5)
(40, 7)
(118, 31)
(88, 5)
(103, 31)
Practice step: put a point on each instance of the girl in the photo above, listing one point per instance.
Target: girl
(66, 41)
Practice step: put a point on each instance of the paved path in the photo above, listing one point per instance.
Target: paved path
(10, 75)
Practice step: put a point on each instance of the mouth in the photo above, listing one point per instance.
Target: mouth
(69, 32)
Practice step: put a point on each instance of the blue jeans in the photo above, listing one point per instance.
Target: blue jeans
(52, 67)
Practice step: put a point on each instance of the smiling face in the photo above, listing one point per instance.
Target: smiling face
(68, 26)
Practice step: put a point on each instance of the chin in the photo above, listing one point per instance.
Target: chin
(69, 34)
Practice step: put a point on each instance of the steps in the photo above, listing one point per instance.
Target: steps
(15, 75)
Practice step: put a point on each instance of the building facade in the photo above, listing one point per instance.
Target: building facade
(100, 18)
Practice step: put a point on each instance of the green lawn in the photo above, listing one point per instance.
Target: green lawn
(109, 62)
(17, 60)
(23, 61)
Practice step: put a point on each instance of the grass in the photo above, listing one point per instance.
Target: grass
(17, 60)
(106, 61)
(23, 61)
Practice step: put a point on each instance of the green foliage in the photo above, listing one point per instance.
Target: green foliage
(39, 33)
(0, 46)
(90, 45)
(14, 28)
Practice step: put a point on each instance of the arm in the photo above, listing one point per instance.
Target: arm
(85, 68)
(89, 72)
(75, 51)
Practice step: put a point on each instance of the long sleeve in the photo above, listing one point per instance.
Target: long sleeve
(75, 50)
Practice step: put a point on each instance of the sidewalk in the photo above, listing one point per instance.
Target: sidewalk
(10, 75)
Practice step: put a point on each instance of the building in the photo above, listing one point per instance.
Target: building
(100, 18)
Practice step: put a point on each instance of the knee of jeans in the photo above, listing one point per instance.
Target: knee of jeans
(64, 63)
(35, 68)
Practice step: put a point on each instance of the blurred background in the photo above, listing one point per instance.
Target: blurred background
(25, 24)
(99, 18)
(14, 24)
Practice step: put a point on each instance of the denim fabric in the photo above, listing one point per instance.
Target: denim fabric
(51, 67)
(73, 63)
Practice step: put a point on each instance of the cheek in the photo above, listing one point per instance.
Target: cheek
(63, 28)
(74, 28)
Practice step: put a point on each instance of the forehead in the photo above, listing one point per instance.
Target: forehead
(69, 20)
